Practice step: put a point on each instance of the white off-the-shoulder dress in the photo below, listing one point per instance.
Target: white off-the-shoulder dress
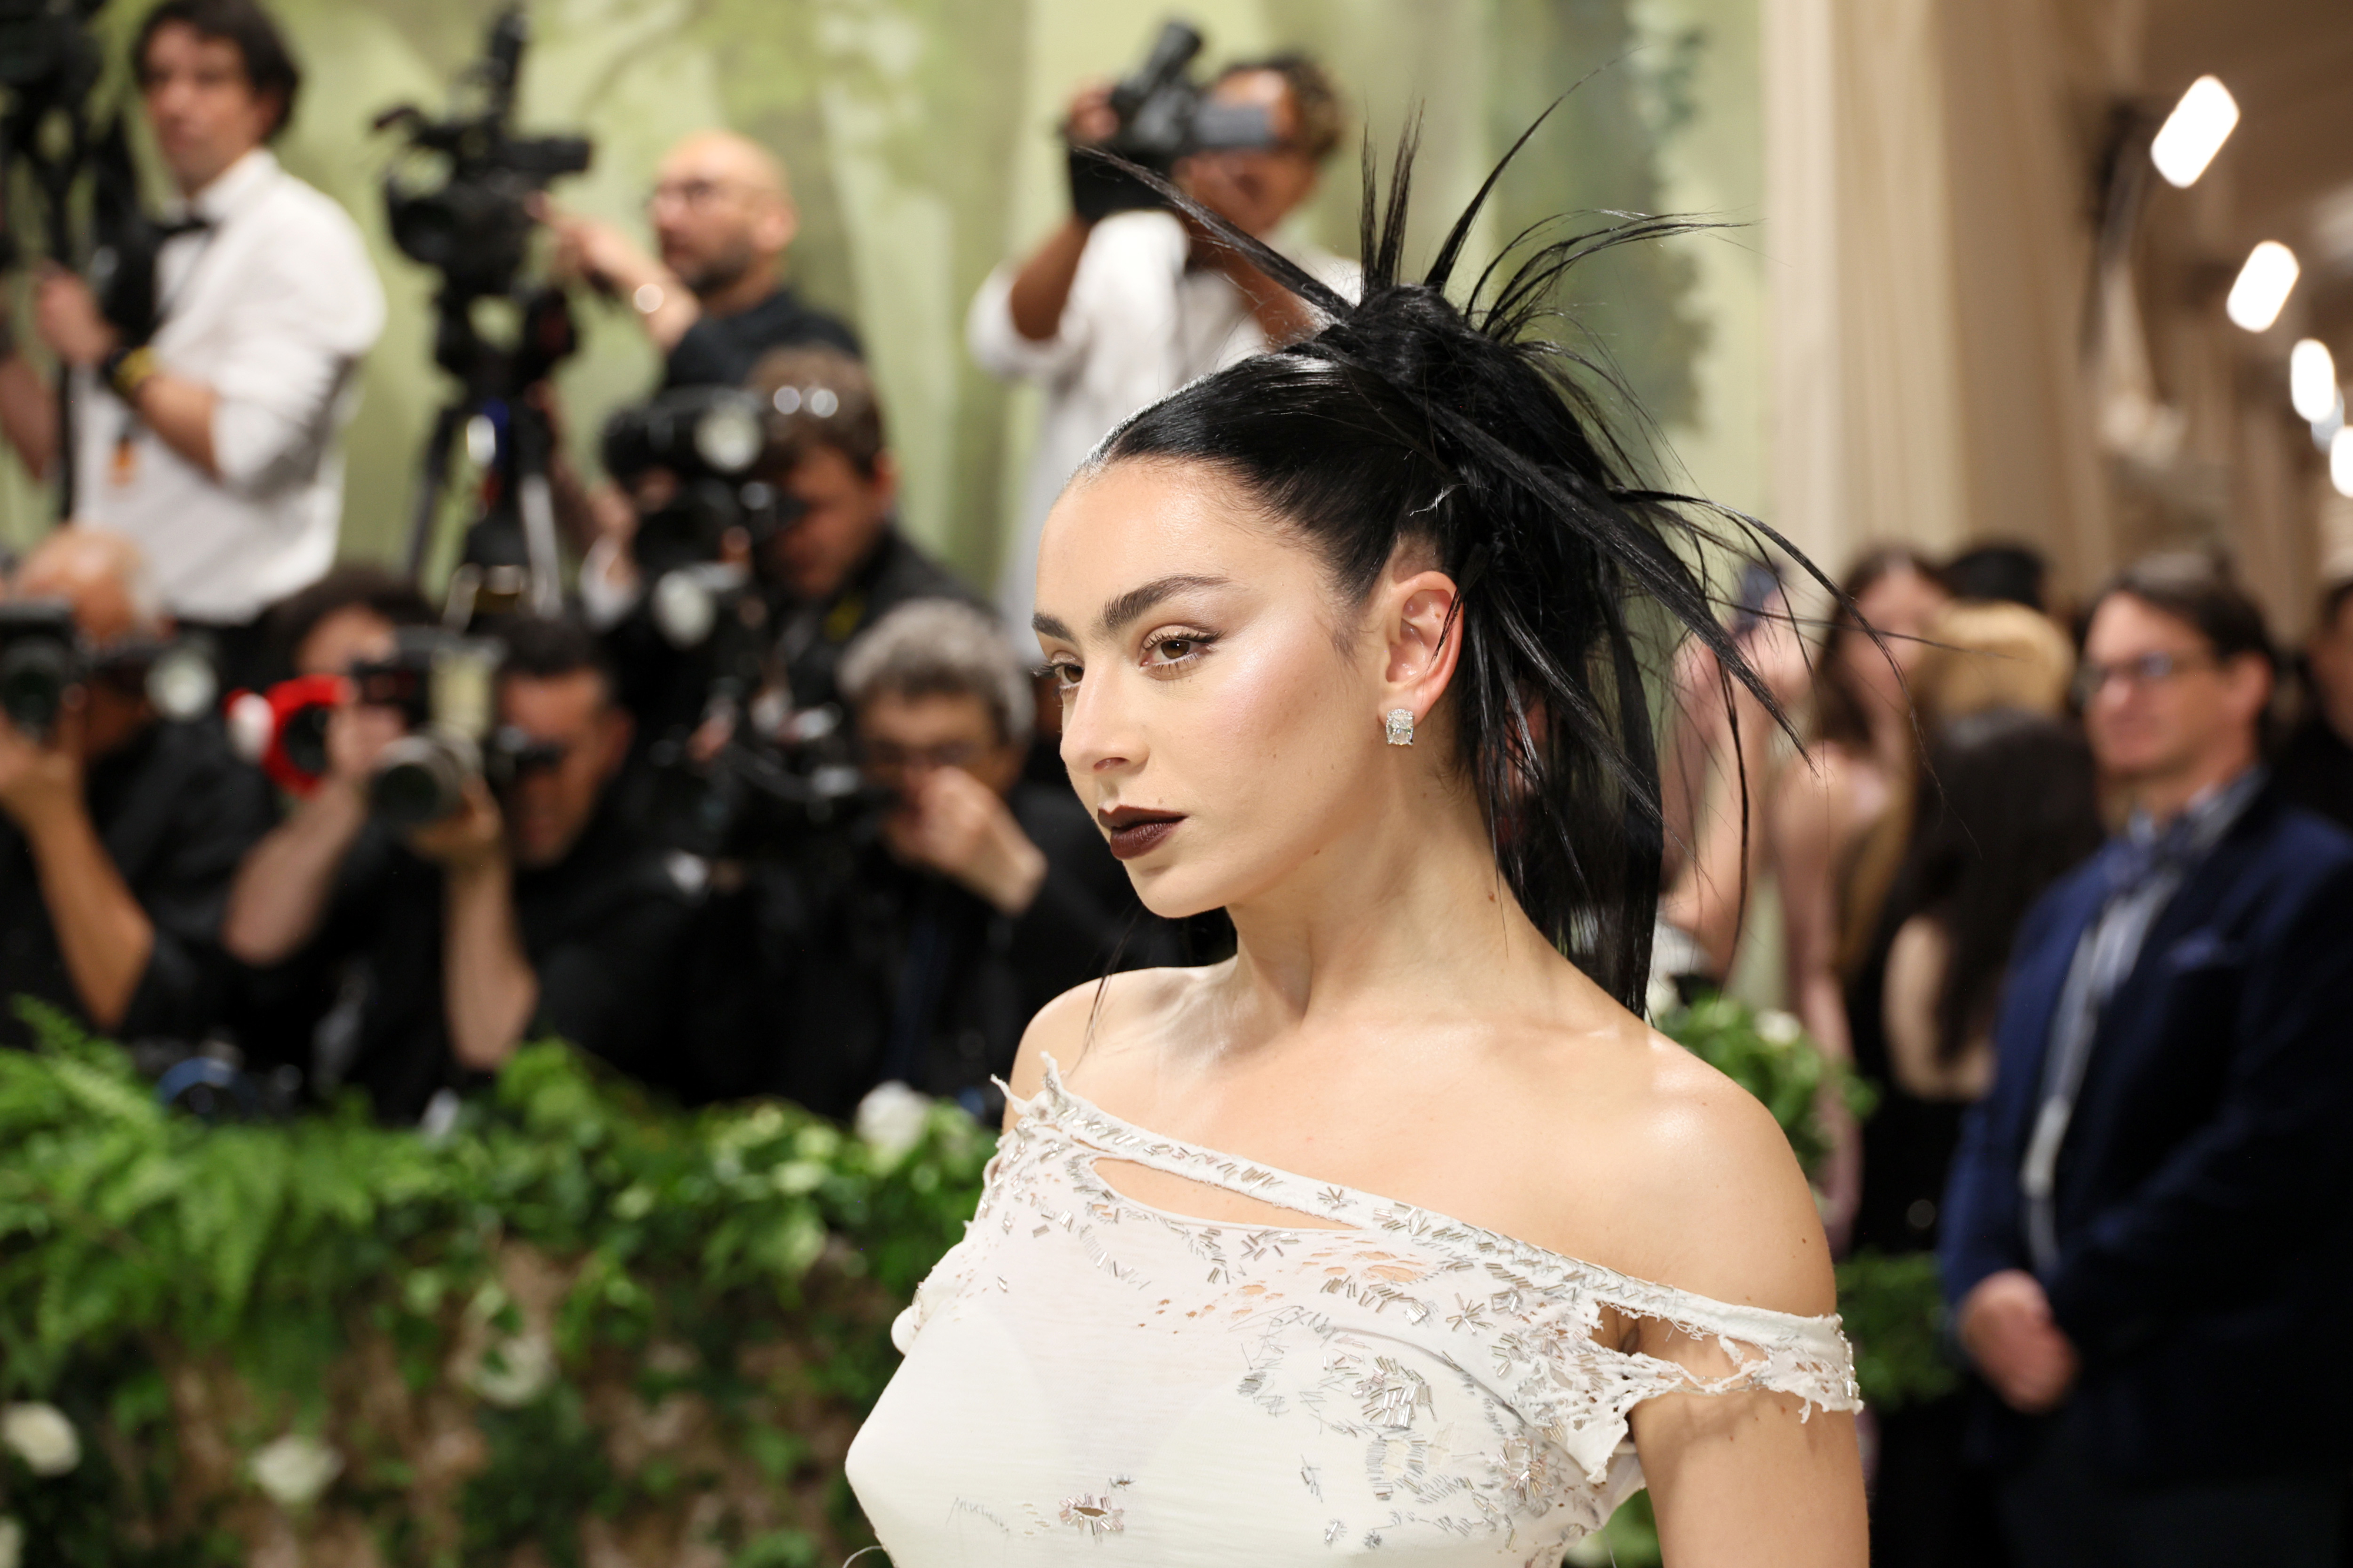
(1089, 1379)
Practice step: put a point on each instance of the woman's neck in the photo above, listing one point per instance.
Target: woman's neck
(1408, 918)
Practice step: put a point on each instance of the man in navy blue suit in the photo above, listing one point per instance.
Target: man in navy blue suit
(2146, 1234)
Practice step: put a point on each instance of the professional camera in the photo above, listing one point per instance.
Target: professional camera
(474, 228)
(447, 687)
(283, 731)
(709, 445)
(44, 656)
(791, 781)
(1163, 115)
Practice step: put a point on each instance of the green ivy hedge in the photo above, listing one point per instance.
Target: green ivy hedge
(575, 1323)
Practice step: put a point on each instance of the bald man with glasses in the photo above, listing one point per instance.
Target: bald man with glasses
(712, 296)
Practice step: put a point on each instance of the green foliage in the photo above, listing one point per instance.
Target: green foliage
(1769, 1055)
(1893, 1305)
(130, 1235)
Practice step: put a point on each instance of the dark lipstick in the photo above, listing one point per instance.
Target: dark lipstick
(1135, 831)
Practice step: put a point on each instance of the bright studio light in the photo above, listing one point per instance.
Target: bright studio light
(2194, 132)
(2341, 461)
(2263, 285)
(2312, 380)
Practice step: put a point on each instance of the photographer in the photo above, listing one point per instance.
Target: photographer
(122, 829)
(210, 437)
(835, 562)
(715, 300)
(1111, 314)
(531, 912)
(975, 898)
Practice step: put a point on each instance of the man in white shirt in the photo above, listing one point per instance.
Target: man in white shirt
(215, 444)
(1112, 315)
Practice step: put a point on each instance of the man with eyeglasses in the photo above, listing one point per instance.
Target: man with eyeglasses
(2154, 1191)
(712, 298)
(918, 948)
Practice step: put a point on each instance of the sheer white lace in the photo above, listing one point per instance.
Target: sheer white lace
(1086, 1373)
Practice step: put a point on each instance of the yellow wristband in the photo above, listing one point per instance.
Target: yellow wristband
(128, 371)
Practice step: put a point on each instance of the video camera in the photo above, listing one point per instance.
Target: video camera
(44, 656)
(474, 228)
(1163, 115)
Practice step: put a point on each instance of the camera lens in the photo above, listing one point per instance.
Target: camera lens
(33, 675)
(422, 779)
(728, 437)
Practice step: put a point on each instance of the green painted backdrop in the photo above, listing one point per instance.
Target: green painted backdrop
(917, 135)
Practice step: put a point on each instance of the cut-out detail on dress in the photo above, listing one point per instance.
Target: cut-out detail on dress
(1443, 1384)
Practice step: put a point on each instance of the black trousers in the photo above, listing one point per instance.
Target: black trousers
(2062, 1510)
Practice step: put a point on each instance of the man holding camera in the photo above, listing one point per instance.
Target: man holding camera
(209, 433)
(714, 300)
(122, 829)
(922, 951)
(1115, 312)
(529, 912)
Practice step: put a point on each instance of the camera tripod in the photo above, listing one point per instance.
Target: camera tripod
(508, 561)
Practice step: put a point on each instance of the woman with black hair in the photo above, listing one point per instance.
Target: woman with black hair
(1399, 1231)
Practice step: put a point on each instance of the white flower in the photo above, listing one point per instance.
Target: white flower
(1775, 1027)
(295, 1470)
(524, 1366)
(12, 1542)
(41, 1436)
(891, 1120)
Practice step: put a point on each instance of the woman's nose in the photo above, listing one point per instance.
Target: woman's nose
(1098, 734)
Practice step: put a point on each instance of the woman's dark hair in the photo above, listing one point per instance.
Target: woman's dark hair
(1840, 714)
(2009, 804)
(269, 68)
(1407, 419)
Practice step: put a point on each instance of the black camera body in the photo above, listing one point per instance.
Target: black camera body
(1163, 115)
(714, 446)
(474, 228)
(44, 656)
(446, 687)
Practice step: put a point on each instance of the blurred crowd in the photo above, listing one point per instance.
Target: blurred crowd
(774, 806)
(2071, 888)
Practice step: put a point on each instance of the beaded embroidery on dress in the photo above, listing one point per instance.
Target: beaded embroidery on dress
(1089, 1374)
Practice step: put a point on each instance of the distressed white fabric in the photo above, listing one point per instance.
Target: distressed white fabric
(1089, 1374)
(273, 307)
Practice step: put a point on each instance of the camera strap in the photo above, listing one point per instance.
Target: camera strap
(124, 467)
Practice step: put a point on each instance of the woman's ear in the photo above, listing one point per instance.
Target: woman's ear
(1421, 624)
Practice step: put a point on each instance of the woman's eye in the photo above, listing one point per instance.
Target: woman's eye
(1065, 676)
(1174, 648)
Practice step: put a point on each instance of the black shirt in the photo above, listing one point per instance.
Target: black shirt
(843, 976)
(601, 928)
(813, 633)
(176, 811)
(721, 351)
(2316, 771)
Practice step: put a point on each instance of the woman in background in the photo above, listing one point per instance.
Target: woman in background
(2008, 803)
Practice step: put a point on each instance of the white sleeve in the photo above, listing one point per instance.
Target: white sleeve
(301, 324)
(1119, 327)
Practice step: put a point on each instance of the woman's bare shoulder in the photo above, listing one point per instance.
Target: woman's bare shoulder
(1705, 1193)
(1116, 1013)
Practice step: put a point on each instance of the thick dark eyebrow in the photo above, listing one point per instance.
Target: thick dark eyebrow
(1124, 609)
(1127, 607)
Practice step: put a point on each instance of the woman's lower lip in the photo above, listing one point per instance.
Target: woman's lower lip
(1142, 837)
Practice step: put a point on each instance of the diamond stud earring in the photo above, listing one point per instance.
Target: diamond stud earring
(1400, 726)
